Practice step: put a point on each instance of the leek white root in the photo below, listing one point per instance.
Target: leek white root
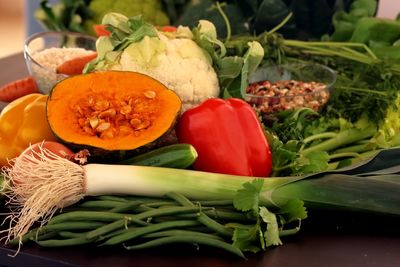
(40, 183)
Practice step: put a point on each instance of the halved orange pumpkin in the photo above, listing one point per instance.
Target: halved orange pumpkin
(111, 111)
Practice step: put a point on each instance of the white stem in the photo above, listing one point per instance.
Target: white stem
(103, 179)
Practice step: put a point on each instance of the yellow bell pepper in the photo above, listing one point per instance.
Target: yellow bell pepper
(23, 122)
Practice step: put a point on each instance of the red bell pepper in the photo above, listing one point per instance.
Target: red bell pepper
(228, 138)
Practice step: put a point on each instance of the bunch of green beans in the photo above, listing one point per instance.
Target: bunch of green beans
(142, 222)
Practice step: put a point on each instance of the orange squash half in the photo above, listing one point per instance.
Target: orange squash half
(112, 111)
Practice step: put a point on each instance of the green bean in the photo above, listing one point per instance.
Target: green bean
(64, 242)
(214, 225)
(114, 233)
(193, 239)
(133, 233)
(93, 216)
(181, 232)
(151, 199)
(113, 198)
(126, 207)
(143, 208)
(222, 215)
(103, 216)
(131, 198)
(103, 230)
(87, 215)
(213, 203)
(160, 203)
(31, 236)
(68, 234)
(144, 215)
(203, 218)
(28, 236)
(44, 236)
(104, 204)
(56, 227)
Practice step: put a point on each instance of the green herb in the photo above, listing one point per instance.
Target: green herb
(233, 69)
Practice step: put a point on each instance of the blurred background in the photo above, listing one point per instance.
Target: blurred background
(12, 26)
(16, 22)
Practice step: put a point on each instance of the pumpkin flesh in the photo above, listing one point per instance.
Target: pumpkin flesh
(111, 110)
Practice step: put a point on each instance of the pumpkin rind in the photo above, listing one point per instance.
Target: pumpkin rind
(75, 109)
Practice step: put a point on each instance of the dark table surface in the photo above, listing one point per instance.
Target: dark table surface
(327, 238)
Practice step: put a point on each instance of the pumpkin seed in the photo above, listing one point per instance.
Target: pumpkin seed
(101, 105)
(150, 94)
(93, 122)
(109, 113)
(103, 126)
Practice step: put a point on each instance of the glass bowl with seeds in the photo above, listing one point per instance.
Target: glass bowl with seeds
(294, 85)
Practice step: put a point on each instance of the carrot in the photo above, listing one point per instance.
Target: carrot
(168, 28)
(101, 30)
(75, 66)
(18, 88)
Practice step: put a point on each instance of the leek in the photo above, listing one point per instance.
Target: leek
(41, 183)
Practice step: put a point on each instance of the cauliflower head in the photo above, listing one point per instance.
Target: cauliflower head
(178, 63)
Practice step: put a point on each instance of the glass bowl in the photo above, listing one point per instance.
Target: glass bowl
(45, 51)
(276, 88)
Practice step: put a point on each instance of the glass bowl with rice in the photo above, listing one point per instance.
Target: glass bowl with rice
(45, 51)
(275, 88)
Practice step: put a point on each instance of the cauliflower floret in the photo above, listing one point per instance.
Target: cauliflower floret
(180, 64)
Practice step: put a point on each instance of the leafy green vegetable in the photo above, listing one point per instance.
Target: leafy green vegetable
(311, 162)
(389, 131)
(293, 210)
(124, 32)
(269, 14)
(251, 60)
(311, 19)
(151, 11)
(82, 15)
(345, 22)
(65, 15)
(233, 69)
(245, 236)
(197, 10)
(266, 231)
(369, 29)
(271, 235)
(247, 199)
